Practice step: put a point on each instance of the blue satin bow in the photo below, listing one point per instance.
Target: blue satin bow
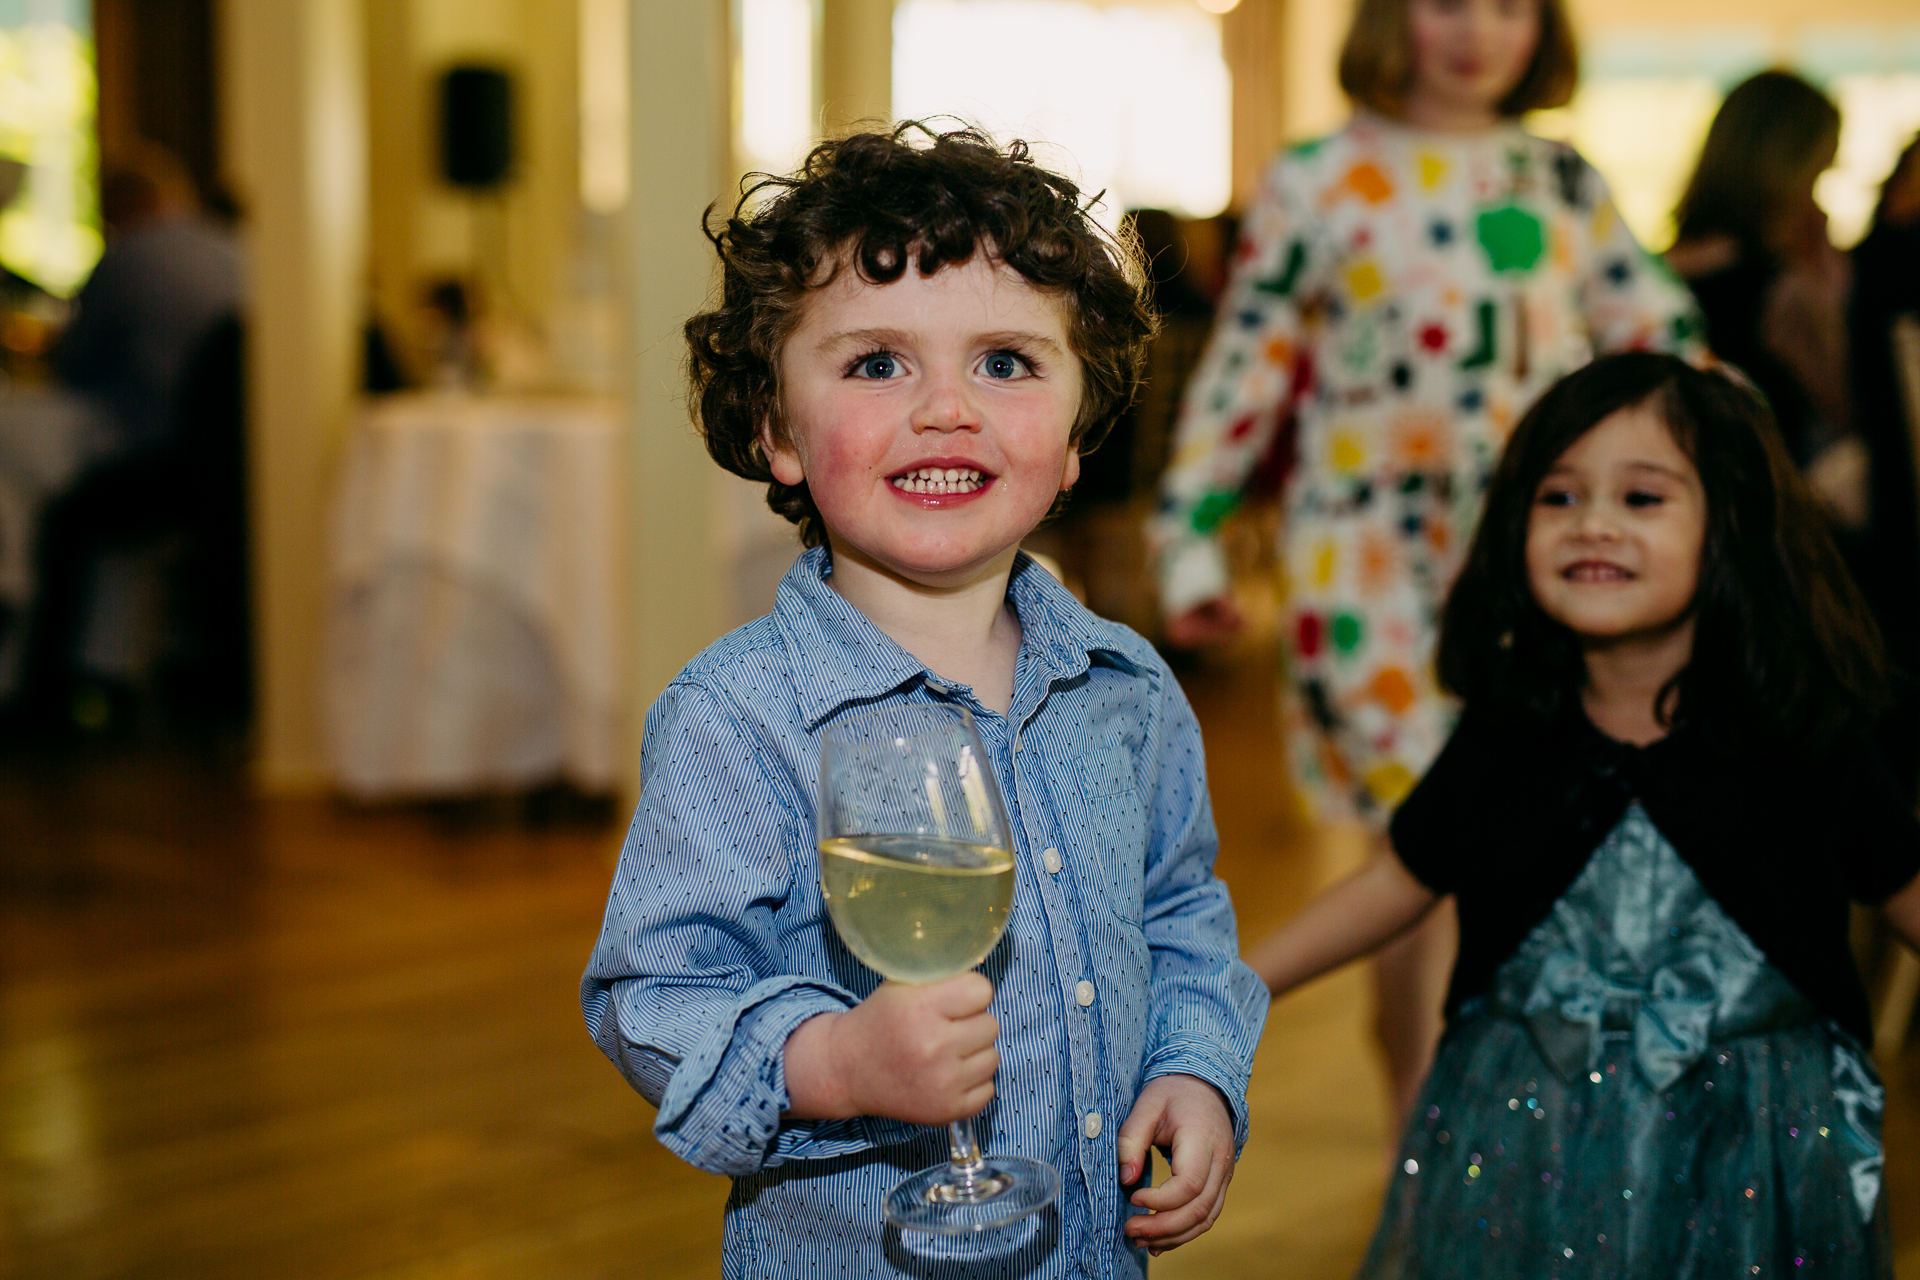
(1572, 1010)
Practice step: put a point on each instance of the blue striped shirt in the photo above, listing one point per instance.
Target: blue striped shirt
(1120, 963)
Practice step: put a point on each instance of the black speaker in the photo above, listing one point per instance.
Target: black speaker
(476, 126)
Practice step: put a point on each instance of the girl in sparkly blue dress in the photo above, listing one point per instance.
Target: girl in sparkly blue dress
(1654, 812)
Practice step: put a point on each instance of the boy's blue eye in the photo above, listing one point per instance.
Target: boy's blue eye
(879, 366)
(1004, 364)
(1641, 498)
(1556, 498)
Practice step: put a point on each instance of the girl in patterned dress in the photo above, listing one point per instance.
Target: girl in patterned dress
(1403, 290)
(1658, 802)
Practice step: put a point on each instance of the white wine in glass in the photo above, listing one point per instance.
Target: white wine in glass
(917, 869)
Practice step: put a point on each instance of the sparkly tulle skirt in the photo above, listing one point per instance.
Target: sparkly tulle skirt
(1640, 1095)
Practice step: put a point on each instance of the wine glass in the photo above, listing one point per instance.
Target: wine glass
(917, 869)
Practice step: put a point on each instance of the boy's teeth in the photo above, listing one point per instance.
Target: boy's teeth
(939, 480)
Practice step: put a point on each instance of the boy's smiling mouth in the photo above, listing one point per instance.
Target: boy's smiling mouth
(932, 481)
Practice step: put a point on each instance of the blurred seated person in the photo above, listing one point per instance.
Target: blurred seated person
(159, 314)
(1886, 276)
(1752, 245)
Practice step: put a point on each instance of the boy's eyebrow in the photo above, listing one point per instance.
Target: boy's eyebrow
(891, 338)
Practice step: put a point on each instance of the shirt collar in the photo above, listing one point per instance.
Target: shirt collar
(838, 656)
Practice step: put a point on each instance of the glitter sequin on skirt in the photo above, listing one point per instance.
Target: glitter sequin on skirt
(1641, 1094)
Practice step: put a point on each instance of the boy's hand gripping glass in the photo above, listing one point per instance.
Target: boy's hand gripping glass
(917, 868)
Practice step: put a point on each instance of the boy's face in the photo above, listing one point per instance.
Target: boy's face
(929, 417)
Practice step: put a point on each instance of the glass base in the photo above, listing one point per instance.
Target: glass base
(948, 1200)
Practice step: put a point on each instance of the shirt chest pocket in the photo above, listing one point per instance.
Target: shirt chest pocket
(1116, 832)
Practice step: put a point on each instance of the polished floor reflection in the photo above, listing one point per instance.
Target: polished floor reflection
(293, 1039)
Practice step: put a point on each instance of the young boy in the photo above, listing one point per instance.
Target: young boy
(913, 346)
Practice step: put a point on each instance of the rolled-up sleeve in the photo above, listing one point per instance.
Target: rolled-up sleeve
(688, 991)
(1207, 1006)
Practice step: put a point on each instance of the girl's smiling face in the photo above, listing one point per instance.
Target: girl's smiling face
(1469, 54)
(1616, 531)
(930, 418)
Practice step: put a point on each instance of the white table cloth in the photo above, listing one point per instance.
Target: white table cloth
(473, 622)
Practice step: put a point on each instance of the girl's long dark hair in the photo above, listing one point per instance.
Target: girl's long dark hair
(1783, 644)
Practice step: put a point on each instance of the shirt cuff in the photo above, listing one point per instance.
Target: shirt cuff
(1195, 1057)
(721, 1110)
(1192, 571)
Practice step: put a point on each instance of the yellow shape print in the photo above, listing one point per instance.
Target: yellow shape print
(1324, 557)
(1433, 169)
(1603, 221)
(1346, 450)
(1389, 782)
(1364, 280)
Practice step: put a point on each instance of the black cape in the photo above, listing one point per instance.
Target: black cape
(1511, 812)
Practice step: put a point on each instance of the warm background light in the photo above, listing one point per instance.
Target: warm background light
(1134, 100)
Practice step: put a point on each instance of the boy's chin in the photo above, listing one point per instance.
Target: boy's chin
(935, 568)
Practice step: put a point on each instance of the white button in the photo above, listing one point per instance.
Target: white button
(1016, 742)
(1050, 859)
(1083, 992)
(1092, 1127)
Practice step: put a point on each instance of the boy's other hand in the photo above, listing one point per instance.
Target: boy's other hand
(921, 1054)
(1187, 1118)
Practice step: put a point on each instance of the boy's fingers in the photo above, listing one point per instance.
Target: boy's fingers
(1190, 1221)
(1161, 1228)
(980, 1067)
(1136, 1135)
(960, 996)
(971, 1035)
(1191, 1163)
(975, 1100)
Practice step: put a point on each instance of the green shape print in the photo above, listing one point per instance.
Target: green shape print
(1281, 284)
(1348, 631)
(1512, 237)
(1212, 509)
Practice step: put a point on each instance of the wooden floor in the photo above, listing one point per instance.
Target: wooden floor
(291, 1039)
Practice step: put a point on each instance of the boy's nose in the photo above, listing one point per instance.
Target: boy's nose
(945, 407)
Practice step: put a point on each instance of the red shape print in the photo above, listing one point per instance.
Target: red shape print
(1312, 631)
(1239, 430)
(1433, 337)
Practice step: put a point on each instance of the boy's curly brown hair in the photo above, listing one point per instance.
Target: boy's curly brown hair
(876, 201)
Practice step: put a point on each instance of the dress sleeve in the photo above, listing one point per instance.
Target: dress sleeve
(1207, 1006)
(1632, 300)
(1427, 829)
(1879, 844)
(688, 989)
(1241, 390)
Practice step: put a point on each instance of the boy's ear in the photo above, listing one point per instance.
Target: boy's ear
(1070, 476)
(782, 459)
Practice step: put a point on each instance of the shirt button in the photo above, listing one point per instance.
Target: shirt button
(1016, 742)
(1083, 992)
(1092, 1126)
(1050, 859)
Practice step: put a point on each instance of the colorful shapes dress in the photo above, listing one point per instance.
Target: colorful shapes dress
(1398, 299)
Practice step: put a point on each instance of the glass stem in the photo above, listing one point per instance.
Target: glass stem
(965, 1161)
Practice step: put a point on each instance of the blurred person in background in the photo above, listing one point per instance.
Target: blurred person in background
(1099, 539)
(166, 293)
(1886, 286)
(1752, 245)
(1403, 290)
